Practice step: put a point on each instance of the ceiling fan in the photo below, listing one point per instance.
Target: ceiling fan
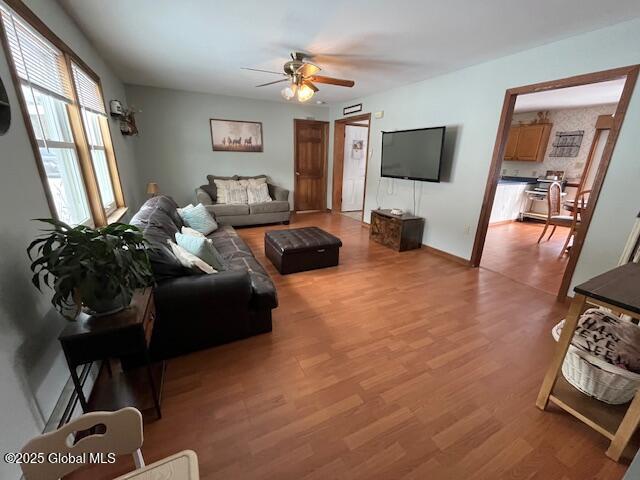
(301, 76)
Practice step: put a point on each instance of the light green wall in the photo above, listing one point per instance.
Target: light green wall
(32, 368)
(174, 146)
(469, 102)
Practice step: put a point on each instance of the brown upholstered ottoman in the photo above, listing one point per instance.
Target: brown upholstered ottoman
(300, 249)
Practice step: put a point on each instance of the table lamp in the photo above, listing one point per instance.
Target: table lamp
(152, 189)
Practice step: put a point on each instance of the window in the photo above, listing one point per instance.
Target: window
(93, 115)
(68, 124)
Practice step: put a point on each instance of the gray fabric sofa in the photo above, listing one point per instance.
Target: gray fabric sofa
(276, 211)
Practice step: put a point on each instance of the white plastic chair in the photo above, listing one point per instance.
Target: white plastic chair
(122, 435)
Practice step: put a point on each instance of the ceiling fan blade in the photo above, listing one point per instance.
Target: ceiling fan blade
(308, 69)
(263, 71)
(333, 81)
(271, 83)
(310, 85)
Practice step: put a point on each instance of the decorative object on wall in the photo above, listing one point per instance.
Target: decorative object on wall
(352, 109)
(236, 136)
(567, 144)
(5, 110)
(126, 116)
(153, 189)
(356, 149)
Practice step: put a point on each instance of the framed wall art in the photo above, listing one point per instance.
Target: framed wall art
(235, 135)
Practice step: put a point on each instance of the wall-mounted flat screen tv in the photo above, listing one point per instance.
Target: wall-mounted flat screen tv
(413, 154)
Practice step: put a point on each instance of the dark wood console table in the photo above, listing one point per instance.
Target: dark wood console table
(400, 232)
(125, 335)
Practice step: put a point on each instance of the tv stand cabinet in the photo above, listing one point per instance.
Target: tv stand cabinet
(399, 232)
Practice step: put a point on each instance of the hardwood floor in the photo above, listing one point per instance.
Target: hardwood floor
(390, 366)
(511, 250)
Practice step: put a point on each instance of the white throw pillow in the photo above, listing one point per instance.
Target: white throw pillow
(189, 260)
(223, 187)
(237, 195)
(191, 232)
(258, 193)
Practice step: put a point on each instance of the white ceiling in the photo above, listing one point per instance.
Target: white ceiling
(200, 45)
(585, 95)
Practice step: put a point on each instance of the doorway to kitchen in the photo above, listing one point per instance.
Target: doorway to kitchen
(555, 141)
(350, 156)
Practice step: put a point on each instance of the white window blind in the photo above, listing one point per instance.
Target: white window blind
(88, 91)
(38, 63)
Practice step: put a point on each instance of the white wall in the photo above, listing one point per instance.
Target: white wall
(174, 146)
(32, 368)
(469, 102)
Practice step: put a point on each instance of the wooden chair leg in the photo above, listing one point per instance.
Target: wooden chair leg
(566, 243)
(544, 230)
(553, 230)
(625, 430)
(570, 323)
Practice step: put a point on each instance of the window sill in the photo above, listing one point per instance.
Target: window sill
(117, 215)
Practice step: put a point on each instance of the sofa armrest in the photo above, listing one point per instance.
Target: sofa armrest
(278, 193)
(203, 197)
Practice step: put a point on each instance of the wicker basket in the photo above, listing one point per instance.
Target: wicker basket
(595, 377)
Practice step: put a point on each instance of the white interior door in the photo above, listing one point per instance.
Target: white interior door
(355, 164)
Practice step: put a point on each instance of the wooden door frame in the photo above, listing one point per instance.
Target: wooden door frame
(325, 126)
(631, 74)
(338, 160)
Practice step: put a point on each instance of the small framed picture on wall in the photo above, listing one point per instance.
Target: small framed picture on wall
(236, 136)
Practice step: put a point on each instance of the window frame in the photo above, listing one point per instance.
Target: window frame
(99, 216)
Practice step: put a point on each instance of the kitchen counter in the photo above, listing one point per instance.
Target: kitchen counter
(506, 180)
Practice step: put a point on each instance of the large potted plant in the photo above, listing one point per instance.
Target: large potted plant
(98, 268)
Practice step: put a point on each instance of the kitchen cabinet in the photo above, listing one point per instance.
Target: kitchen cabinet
(508, 202)
(527, 143)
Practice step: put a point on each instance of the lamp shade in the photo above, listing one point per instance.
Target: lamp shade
(152, 189)
(304, 93)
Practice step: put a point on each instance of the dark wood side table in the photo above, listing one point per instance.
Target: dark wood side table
(400, 232)
(124, 335)
(619, 291)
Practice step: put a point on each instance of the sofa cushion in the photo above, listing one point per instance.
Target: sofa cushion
(211, 178)
(199, 218)
(211, 190)
(269, 207)
(228, 244)
(240, 177)
(202, 248)
(222, 209)
(158, 226)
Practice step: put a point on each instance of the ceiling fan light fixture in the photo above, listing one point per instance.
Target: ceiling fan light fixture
(289, 91)
(304, 93)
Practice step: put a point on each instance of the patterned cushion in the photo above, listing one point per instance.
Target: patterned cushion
(237, 194)
(191, 232)
(199, 219)
(222, 188)
(248, 182)
(258, 193)
(202, 248)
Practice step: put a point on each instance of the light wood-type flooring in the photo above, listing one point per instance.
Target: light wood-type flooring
(390, 366)
(511, 250)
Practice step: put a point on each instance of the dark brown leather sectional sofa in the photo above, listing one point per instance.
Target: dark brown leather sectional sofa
(195, 310)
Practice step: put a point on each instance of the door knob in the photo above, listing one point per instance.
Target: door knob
(297, 173)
